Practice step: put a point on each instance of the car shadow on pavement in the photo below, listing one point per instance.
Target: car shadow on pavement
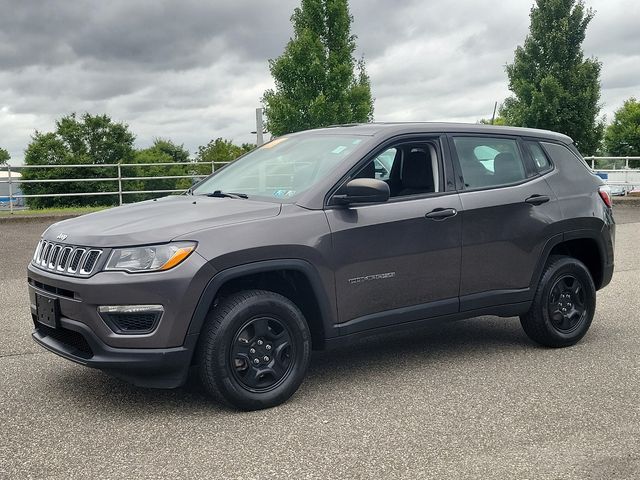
(330, 369)
(450, 341)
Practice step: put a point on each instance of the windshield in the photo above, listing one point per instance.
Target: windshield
(282, 168)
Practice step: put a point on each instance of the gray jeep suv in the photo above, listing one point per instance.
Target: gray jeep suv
(319, 238)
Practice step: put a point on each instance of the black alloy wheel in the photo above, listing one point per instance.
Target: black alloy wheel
(254, 349)
(563, 305)
(262, 353)
(567, 308)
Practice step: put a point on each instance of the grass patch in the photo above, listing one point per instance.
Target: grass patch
(51, 211)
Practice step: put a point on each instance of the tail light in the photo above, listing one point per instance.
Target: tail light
(605, 195)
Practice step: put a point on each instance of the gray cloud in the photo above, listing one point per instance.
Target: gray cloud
(158, 34)
(192, 70)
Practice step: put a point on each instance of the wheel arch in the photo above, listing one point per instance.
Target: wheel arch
(584, 245)
(295, 279)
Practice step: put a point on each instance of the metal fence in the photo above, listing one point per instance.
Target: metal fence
(14, 181)
(626, 163)
(621, 173)
(625, 177)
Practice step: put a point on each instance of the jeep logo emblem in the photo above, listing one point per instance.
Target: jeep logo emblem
(62, 236)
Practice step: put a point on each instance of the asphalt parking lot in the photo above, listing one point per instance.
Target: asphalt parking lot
(473, 399)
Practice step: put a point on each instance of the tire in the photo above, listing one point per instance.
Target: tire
(563, 306)
(254, 350)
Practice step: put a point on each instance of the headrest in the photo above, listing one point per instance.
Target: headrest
(416, 170)
(506, 168)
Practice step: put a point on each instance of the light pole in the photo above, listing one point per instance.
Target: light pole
(259, 127)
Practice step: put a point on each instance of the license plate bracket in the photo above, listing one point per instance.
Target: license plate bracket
(48, 310)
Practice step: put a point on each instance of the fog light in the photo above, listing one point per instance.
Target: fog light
(131, 319)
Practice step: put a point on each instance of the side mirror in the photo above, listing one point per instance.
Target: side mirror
(362, 190)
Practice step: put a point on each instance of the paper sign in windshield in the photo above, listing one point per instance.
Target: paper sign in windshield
(275, 142)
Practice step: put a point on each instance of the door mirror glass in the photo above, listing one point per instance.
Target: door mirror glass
(362, 190)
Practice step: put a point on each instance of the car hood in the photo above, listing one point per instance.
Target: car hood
(157, 221)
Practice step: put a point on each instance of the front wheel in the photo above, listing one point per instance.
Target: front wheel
(254, 350)
(564, 304)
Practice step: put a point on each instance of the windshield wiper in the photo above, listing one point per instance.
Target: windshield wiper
(221, 194)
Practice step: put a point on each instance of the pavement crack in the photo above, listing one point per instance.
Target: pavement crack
(7, 355)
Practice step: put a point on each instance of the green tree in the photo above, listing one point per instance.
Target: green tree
(162, 151)
(622, 137)
(554, 86)
(88, 140)
(318, 81)
(177, 153)
(219, 152)
(4, 156)
(496, 121)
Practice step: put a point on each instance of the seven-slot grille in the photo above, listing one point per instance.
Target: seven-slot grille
(66, 259)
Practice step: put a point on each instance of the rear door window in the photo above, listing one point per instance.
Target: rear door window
(489, 162)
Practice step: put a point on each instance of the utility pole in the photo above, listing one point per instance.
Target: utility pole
(493, 117)
(259, 127)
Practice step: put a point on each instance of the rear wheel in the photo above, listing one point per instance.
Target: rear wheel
(564, 304)
(254, 350)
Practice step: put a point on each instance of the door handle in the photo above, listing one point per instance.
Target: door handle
(537, 199)
(441, 213)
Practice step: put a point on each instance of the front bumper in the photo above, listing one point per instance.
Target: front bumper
(160, 358)
(177, 290)
(144, 367)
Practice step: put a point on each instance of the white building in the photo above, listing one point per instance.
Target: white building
(4, 188)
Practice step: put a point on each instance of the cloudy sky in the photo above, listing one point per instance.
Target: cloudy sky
(194, 70)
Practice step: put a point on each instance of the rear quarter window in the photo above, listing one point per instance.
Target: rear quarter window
(540, 160)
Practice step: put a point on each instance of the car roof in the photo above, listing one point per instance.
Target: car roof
(389, 129)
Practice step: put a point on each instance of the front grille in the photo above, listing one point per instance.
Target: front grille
(75, 259)
(90, 261)
(53, 258)
(74, 341)
(66, 259)
(63, 258)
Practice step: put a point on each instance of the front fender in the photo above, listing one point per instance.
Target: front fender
(327, 313)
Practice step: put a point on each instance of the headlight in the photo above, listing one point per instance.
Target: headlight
(151, 258)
